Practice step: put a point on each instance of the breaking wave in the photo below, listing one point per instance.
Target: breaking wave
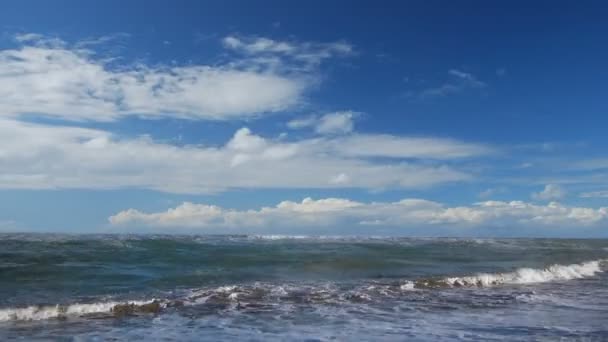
(37, 313)
(519, 276)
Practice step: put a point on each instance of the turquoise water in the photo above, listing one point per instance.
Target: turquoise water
(301, 288)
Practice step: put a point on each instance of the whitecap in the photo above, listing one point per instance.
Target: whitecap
(408, 285)
(37, 313)
(523, 275)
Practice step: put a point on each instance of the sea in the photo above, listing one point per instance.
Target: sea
(301, 288)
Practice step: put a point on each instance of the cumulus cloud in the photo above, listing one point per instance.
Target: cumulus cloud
(333, 212)
(340, 122)
(36, 156)
(550, 192)
(47, 76)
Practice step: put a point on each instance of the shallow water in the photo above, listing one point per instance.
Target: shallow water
(302, 288)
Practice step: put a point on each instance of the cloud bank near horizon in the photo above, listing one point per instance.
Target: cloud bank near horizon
(394, 217)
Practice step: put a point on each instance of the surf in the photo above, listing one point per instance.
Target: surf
(525, 275)
(113, 309)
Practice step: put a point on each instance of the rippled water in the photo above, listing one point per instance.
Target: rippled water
(301, 288)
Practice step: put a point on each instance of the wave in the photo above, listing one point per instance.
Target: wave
(519, 276)
(260, 295)
(270, 293)
(37, 313)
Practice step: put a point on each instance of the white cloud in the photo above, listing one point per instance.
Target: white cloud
(47, 76)
(459, 81)
(301, 123)
(29, 37)
(340, 179)
(258, 45)
(340, 122)
(36, 156)
(336, 123)
(390, 146)
(595, 194)
(308, 54)
(550, 192)
(467, 77)
(492, 192)
(334, 212)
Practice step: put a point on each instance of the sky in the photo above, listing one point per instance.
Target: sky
(468, 118)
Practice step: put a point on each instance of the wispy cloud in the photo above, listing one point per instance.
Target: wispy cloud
(29, 37)
(304, 122)
(493, 192)
(101, 40)
(307, 54)
(458, 81)
(595, 194)
(340, 122)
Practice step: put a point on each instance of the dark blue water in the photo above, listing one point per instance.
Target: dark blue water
(259, 288)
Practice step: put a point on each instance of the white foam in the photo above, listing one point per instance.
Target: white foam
(201, 296)
(279, 291)
(280, 237)
(530, 275)
(408, 285)
(37, 313)
(226, 289)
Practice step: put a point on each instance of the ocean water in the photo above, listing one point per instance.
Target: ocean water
(275, 288)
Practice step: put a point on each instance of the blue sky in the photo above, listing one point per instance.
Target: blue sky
(410, 118)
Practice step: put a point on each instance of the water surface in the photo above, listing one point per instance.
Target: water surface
(264, 288)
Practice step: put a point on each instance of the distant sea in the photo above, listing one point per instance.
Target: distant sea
(281, 288)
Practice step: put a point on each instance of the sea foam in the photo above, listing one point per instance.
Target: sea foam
(521, 276)
(37, 313)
